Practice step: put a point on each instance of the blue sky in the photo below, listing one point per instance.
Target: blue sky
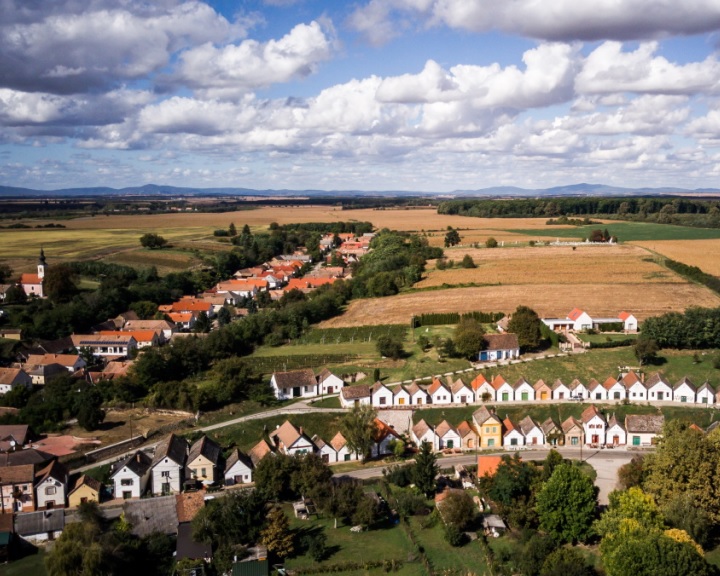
(426, 95)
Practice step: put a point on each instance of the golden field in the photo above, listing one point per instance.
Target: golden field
(705, 254)
(548, 300)
(618, 264)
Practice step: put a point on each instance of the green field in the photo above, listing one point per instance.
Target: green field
(629, 231)
(33, 565)
(469, 559)
(596, 338)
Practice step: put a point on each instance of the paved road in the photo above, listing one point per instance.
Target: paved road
(605, 463)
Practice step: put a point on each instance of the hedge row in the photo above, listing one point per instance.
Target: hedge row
(436, 319)
(387, 565)
(614, 343)
(695, 274)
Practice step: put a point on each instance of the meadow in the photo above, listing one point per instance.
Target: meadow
(626, 231)
(705, 254)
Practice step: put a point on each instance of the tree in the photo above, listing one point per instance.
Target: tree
(491, 243)
(152, 241)
(634, 505)
(534, 554)
(5, 273)
(552, 461)
(202, 324)
(526, 323)
(91, 415)
(59, 283)
(566, 504)
(232, 231)
(15, 295)
(452, 237)
(458, 509)
(682, 513)
(646, 350)
(566, 562)
(144, 309)
(277, 535)
(468, 262)
(367, 511)
(359, 428)
(632, 474)
(425, 469)
(469, 337)
(390, 347)
(224, 316)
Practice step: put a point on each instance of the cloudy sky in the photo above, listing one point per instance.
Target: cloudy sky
(430, 95)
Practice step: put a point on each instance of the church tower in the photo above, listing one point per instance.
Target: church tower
(42, 265)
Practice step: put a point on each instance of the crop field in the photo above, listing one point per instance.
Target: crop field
(627, 231)
(548, 300)
(553, 264)
(705, 254)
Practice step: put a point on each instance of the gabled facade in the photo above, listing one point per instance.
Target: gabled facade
(203, 461)
(513, 438)
(380, 395)
(401, 397)
(384, 435)
(418, 396)
(578, 389)
(534, 435)
(543, 392)
(130, 477)
(461, 393)
(489, 427)
(684, 391)
(634, 386)
(448, 437)
(659, 389)
(294, 384)
(326, 452)
(596, 391)
(630, 323)
(344, 454)
(615, 434)
(581, 320)
(574, 432)
(328, 383)
(238, 469)
(290, 440)
(643, 430)
(17, 488)
(422, 432)
(468, 436)
(355, 396)
(51, 486)
(86, 489)
(614, 390)
(705, 394)
(553, 433)
(438, 393)
(560, 391)
(484, 392)
(168, 466)
(594, 426)
(503, 391)
(523, 391)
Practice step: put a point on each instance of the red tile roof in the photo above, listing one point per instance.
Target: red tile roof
(575, 314)
(488, 465)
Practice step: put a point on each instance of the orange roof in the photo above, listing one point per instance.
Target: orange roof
(435, 386)
(191, 306)
(488, 465)
(509, 426)
(181, 316)
(478, 381)
(30, 279)
(589, 413)
(497, 382)
(139, 335)
(575, 314)
(382, 430)
(609, 383)
(304, 283)
(630, 378)
(624, 315)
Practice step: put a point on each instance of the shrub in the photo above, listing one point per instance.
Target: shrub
(491, 243)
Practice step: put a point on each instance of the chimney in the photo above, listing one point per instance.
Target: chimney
(301, 431)
(642, 377)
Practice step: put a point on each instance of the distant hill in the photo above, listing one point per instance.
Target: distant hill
(582, 189)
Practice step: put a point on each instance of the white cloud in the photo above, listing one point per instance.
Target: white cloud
(233, 70)
(610, 70)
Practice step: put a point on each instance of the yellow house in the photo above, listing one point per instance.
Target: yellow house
(86, 489)
(203, 460)
(489, 426)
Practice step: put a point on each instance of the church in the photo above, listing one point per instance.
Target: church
(32, 284)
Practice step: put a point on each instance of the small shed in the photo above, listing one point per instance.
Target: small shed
(493, 525)
(40, 526)
(251, 568)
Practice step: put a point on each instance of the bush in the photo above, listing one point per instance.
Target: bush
(454, 536)
(390, 347)
(491, 243)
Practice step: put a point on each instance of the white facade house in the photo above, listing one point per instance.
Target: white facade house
(615, 434)
(705, 394)
(51, 485)
(422, 433)
(499, 347)
(503, 391)
(461, 393)
(294, 384)
(643, 430)
(523, 391)
(168, 466)
(326, 451)
(578, 389)
(291, 441)
(481, 387)
(120, 345)
(596, 391)
(560, 391)
(614, 389)
(384, 435)
(328, 383)
(380, 395)
(130, 477)
(343, 453)
(401, 397)
(629, 321)
(684, 391)
(634, 387)
(658, 389)
(355, 396)
(533, 433)
(447, 436)
(418, 396)
(513, 438)
(594, 426)
(438, 393)
(581, 320)
(238, 469)
(11, 378)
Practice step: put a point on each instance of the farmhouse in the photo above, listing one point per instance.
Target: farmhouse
(16, 488)
(294, 384)
(579, 320)
(643, 430)
(11, 378)
(290, 440)
(71, 362)
(499, 347)
(354, 395)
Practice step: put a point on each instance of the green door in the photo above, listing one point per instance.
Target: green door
(505, 396)
(450, 443)
(491, 441)
(524, 396)
(636, 440)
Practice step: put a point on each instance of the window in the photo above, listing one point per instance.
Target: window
(126, 494)
(127, 482)
(382, 400)
(487, 429)
(203, 472)
(347, 457)
(165, 474)
(513, 442)
(574, 441)
(561, 395)
(50, 490)
(504, 396)
(617, 395)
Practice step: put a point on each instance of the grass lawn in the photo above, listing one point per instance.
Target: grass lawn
(33, 565)
(629, 231)
(469, 559)
(713, 556)
(331, 402)
(596, 338)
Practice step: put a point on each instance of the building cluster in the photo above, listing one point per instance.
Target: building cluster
(579, 320)
(627, 386)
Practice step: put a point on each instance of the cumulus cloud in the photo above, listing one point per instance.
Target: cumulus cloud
(560, 20)
(610, 70)
(235, 69)
(96, 45)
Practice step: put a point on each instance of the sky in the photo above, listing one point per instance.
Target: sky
(417, 95)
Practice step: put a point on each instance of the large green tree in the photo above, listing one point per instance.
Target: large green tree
(469, 337)
(526, 323)
(359, 428)
(59, 283)
(425, 469)
(452, 237)
(567, 503)
(566, 562)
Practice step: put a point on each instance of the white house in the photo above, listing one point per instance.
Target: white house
(326, 451)
(401, 397)
(595, 390)
(384, 435)
(354, 395)
(523, 391)
(513, 437)
(581, 320)
(438, 393)
(578, 389)
(614, 390)
(593, 425)
(634, 386)
(684, 391)
(343, 453)
(560, 391)
(418, 396)
(629, 321)
(461, 394)
(423, 432)
(705, 394)
(328, 383)
(481, 387)
(294, 384)
(290, 440)
(448, 436)
(658, 389)
(615, 434)
(380, 395)
(130, 476)
(12, 378)
(121, 344)
(51, 485)
(499, 347)
(642, 430)
(503, 391)
(167, 470)
(533, 433)
(238, 469)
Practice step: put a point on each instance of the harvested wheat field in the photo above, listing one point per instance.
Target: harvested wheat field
(705, 254)
(549, 300)
(553, 264)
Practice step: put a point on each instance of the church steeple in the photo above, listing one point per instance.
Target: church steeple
(42, 265)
